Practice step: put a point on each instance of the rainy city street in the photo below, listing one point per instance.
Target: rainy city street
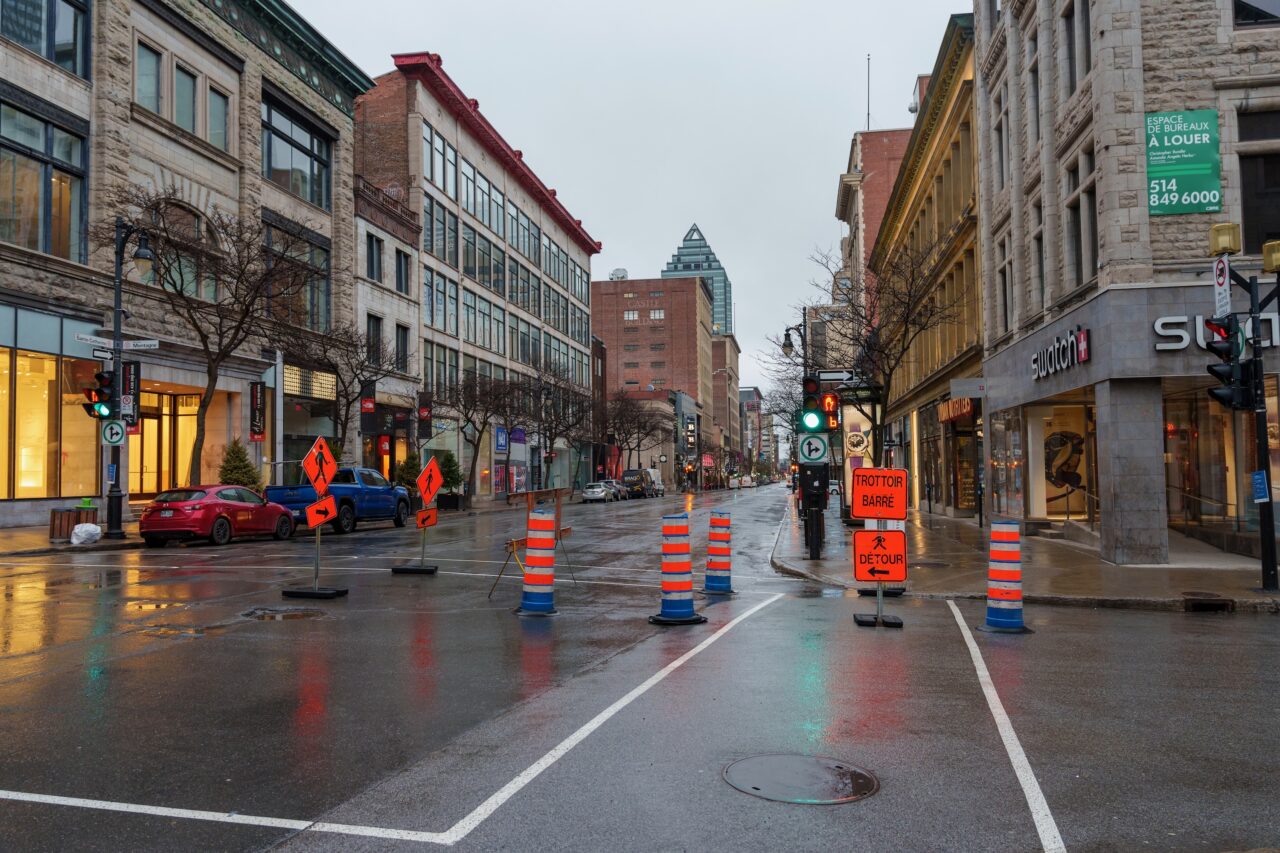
(172, 700)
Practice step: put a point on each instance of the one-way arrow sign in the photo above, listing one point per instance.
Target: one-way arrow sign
(836, 375)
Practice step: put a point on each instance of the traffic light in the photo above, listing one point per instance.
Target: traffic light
(831, 411)
(103, 403)
(811, 417)
(1227, 343)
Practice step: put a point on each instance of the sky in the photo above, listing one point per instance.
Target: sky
(647, 117)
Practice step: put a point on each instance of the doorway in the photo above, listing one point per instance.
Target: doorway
(160, 448)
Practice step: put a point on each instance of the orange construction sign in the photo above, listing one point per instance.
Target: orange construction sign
(879, 493)
(320, 466)
(322, 511)
(429, 483)
(880, 556)
(427, 517)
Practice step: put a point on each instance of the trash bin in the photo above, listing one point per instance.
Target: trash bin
(63, 521)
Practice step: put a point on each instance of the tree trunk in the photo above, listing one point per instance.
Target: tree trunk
(197, 443)
(475, 458)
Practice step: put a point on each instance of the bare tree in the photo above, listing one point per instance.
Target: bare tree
(557, 407)
(477, 402)
(346, 352)
(225, 279)
(635, 426)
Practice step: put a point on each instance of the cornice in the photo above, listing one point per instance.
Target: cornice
(995, 52)
(428, 69)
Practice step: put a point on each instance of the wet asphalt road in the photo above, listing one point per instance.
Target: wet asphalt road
(135, 678)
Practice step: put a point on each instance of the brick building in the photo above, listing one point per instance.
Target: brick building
(1094, 271)
(725, 407)
(863, 193)
(504, 267)
(238, 105)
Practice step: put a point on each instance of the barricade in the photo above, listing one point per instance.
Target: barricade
(1004, 580)
(677, 574)
(539, 596)
(719, 556)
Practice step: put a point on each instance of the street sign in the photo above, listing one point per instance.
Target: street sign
(111, 473)
(879, 493)
(140, 345)
(94, 339)
(1261, 491)
(427, 517)
(103, 354)
(836, 375)
(1222, 286)
(814, 450)
(429, 481)
(126, 402)
(320, 466)
(113, 433)
(322, 511)
(879, 556)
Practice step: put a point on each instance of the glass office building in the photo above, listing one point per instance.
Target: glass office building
(694, 257)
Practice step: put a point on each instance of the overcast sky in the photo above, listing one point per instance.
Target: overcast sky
(647, 117)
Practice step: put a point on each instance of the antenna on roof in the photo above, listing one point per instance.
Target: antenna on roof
(868, 91)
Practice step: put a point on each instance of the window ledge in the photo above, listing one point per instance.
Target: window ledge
(162, 125)
(69, 75)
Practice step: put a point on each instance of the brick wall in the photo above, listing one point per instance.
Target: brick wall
(680, 334)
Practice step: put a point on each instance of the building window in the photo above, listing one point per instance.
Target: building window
(1001, 111)
(1260, 179)
(146, 81)
(1257, 12)
(452, 326)
(630, 347)
(657, 364)
(468, 316)
(312, 307)
(1004, 280)
(42, 173)
(1081, 229)
(468, 187)
(373, 338)
(295, 157)
(373, 257)
(1037, 254)
(219, 114)
(427, 143)
(402, 348)
(657, 314)
(450, 185)
(403, 272)
(631, 364)
(1033, 88)
(655, 294)
(630, 315)
(53, 29)
(1077, 45)
(657, 347)
(184, 99)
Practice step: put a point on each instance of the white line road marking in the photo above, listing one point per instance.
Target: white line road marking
(453, 834)
(1050, 838)
(227, 817)
(462, 828)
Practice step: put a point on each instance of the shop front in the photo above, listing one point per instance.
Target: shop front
(1102, 419)
(385, 440)
(309, 411)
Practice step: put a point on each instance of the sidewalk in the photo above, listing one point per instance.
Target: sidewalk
(948, 559)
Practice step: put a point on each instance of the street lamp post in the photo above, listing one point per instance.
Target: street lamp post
(142, 258)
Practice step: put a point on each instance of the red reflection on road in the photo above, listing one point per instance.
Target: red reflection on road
(537, 665)
(424, 659)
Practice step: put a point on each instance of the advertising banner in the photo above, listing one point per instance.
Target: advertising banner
(1184, 164)
(257, 411)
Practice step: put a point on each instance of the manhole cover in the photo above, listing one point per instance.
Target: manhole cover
(280, 614)
(806, 779)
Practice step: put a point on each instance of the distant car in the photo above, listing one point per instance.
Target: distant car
(834, 487)
(638, 483)
(655, 480)
(597, 492)
(216, 513)
(620, 491)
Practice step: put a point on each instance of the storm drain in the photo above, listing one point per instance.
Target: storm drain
(1206, 602)
(815, 780)
(281, 614)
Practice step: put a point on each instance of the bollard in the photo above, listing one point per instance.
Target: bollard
(677, 574)
(1004, 580)
(719, 556)
(539, 595)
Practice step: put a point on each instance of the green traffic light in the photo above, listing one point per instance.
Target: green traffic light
(102, 409)
(811, 420)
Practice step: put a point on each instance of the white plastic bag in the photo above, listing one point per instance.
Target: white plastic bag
(85, 534)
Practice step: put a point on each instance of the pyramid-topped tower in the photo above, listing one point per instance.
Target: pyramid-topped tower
(694, 257)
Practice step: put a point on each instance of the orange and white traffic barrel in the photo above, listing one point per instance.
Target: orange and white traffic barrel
(1004, 580)
(677, 574)
(539, 595)
(719, 556)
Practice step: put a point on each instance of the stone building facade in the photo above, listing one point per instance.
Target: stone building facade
(1095, 278)
(504, 266)
(166, 95)
(932, 212)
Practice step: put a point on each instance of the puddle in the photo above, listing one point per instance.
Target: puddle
(169, 631)
(281, 614)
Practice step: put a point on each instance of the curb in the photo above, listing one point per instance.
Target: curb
(74, 549)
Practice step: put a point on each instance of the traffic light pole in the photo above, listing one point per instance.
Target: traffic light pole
(1266, 510)
(115, 498)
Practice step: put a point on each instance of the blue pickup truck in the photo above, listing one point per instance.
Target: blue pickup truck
(362, 494)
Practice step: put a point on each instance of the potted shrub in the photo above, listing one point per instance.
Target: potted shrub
(406, 475)
(451, 481)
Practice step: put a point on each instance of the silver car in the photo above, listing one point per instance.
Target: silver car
(593, 492)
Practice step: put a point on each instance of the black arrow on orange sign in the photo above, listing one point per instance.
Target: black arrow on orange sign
(323, 511)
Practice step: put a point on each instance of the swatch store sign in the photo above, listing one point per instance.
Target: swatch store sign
(1063, 353)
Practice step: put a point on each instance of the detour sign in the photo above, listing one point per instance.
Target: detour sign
(879, 493)
(880, 556)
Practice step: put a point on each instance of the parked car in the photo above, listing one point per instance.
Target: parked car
(655, 477)
(216, 513)
(619, 490)
(597, 493)
(362, 494)
(834, 488)
(637, 483)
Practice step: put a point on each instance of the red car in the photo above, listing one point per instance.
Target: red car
(215, 513)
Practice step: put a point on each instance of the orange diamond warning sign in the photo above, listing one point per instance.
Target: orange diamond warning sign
(880, 556)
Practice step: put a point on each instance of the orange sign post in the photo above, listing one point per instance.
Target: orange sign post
(879, 495)
(429, 482)
(319, 467)
(880, 556)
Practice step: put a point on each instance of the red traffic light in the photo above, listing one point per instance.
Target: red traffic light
(1220, 326)
(811, 385)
